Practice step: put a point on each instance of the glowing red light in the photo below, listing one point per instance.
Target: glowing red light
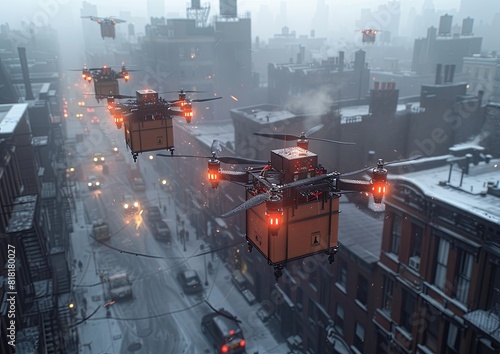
(224, 349)
(242, 343)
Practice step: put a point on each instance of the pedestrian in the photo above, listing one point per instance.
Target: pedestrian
(181, 235)
(80, 265)
(187, 235)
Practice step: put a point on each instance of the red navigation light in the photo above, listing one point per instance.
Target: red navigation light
(188, 114)
(274, 214)
(89, 78)
(126, 77)
(224, 349)
(379, 182)
(118, 121)
(214, 172)
(242, 343)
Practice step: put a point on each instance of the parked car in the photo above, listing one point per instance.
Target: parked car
(161, 231)
(224, 332)
(190, 281)
(93, 183)
(153, 214)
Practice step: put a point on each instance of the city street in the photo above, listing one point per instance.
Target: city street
(159, 318)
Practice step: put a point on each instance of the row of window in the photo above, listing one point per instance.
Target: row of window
(359, 330)
(462, 273)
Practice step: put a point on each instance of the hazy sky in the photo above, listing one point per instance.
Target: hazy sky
(299, 12)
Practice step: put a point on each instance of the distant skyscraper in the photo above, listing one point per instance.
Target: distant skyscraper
(155, 8)
(281, 20)
(320, 20)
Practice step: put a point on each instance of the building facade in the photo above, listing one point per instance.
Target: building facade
(439, 259)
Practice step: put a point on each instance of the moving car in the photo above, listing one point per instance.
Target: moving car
(224, 332)
(99, 158)
(93, 183)
(130, 204)
(190, 281)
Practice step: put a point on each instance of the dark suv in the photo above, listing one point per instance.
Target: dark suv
(153, 214)
(224, 332)
(161, 231)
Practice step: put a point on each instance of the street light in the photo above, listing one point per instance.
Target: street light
(202, 248)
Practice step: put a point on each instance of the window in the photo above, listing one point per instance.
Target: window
(416, 240)
(452, 339)
(387, 297)
(342, 276)
(463, 276)
(359, 337)
(397, 226)
(339, 319)
(431, 330)
(362, 293)
(441, 263)
(408, 310)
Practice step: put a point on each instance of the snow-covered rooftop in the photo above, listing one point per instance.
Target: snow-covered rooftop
(207, 132)
(471, 195)
(265, 113)
(10, 115)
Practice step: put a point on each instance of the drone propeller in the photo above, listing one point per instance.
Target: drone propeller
(205, 99)
(412, 158)
(249, 204)
(291, 137)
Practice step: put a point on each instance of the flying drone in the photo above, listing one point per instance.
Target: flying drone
(369, 35)
(292, 202)
(105, 79)
(107, 25)
(148, 119)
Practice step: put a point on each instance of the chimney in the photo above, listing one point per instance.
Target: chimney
(384, 85)
(341, 61)
(26, 74)
(377, 85)
(438, 74)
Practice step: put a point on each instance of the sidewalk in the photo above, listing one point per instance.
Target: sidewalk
(97, 334)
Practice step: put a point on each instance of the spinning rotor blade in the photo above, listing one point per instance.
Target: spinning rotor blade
(291, 137)
(249, 204)
(314, 130)
(205, 99)
(416, 157)
(305, 181)
(333, 141)
(286, 137)
(182, 91)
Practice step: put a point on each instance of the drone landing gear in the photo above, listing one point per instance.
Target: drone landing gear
(172, 151)
(134, 156)
(278, 271)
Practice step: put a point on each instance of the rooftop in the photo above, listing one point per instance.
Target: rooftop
(360, 233)
(478, 193)
(265, 114)
(10, 115)
(207, 132)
